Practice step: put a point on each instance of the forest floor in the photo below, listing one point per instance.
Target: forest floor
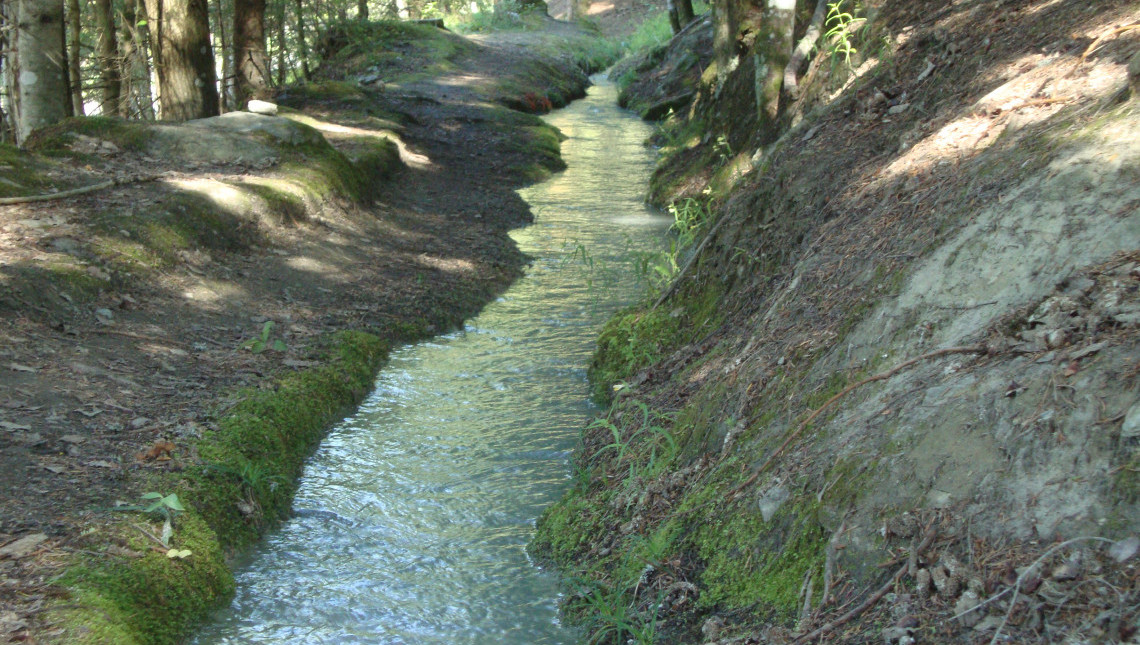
(110, 375)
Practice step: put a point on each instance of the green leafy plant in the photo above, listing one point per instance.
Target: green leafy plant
(839, 34)
(167, 506)
(263, 342)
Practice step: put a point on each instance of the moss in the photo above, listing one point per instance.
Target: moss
(23, 174)
(568, 528)
(752, 563)
(57, 139)
(254, 455)
(148, 599)
(284, 206)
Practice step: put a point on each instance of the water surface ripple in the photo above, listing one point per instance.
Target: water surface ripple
(413, 516)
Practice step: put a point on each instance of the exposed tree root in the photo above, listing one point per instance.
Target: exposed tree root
(82, 190)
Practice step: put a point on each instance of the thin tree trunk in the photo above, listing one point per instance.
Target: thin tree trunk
(227, 80)
(281, 46)
(41, 96)
(184, 56)
(75, 80)
(302, 47)
(674, 17)
(107, 55)
(6, 126)
(362, 9)
(68, 108)
(141, 32)
(251, 62)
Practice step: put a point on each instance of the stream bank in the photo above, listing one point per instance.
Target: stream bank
(196, 327)
(893, 397)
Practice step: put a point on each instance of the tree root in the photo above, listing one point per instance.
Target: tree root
(927, 540)
(74, 192)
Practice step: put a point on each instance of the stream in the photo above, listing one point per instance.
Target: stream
(413, 516)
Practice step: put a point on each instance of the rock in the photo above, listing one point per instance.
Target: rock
(946, 585)
(261, 107)
(22, 547)
(899, 109)
(712, 628)
(1131, 426)
(897, 636)
(104, 313)
(771, 501)
(1125, 549)
(966, 603)
(922, 583)
(1134, 73)
(988, 624)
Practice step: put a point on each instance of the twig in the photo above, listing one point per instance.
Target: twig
(26, 199)
(927, 540)
(692, 259)
(150, 535)
(1103, 37)
(969, 349)
(803, 48)
(1031, 569)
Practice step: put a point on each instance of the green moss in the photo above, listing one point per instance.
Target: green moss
(57, 139)
(751, 563)
(23, 174)
(568, 528)
(148, 599)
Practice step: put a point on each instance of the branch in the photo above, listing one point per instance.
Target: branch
(803, 48)
(82, 190)
(927, 540)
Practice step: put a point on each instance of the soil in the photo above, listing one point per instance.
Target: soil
(97, 393)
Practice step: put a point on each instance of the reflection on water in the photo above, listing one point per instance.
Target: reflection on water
(413, 516)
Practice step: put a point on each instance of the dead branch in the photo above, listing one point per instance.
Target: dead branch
(82, 190)
(927, 540)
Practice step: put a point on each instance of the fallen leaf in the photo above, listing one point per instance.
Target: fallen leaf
(178, 553)
(99, 463)
(93, 413)
(115, 549)
(23, 546)
(55, 469)
(157, 452)
(72, 438)
(1072, 368)
(12, 427)
(16, 367)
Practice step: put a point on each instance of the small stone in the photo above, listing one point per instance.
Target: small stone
(966, 603)
(1131, 426)
(922, 583)
(72, 438)
(946, 585)
(23, 546)
(104, 313)
(897, 636)
(988, 624)
(261, 107)
(1125, 549)
(771, 501)
(899, 109)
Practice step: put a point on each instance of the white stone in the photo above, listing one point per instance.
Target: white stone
(261, 107)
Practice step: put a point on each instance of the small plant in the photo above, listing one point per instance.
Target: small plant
(168, 506)
(262, 342)
(838, 35)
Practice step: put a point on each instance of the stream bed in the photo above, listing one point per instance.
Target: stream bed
(413, 516)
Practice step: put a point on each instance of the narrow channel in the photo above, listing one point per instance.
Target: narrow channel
(413, 516)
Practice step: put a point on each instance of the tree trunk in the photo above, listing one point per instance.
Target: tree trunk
(184, 56)
(674, 17)
(772, 49)
(302, 47)
(685, 13)
(225, 83)
(141, 34)
(7, 127)
(362, 9)
(107, 55)
(74, 79)
(41, 96)
(281, 45)
(251, 62)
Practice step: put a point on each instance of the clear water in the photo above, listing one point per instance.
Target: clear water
(413, 516)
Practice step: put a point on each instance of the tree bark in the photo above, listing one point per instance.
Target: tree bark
(362, 9)
(772, 49)
(302, 46)
(41, 96)
(141, 35)
(674, 16)
(226, 82)
(107, 55)
(685, 13)
(251, 62)
(74, 79)
(184, 57)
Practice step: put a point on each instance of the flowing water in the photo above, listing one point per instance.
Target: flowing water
(413, 516)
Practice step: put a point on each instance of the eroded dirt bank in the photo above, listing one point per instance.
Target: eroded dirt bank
(894, 398)
(193, 329)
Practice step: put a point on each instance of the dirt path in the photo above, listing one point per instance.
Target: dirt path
(97, 393)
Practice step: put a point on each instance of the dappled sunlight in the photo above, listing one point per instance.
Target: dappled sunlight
(215, 295)
(337, 131)
(447, 265)
(324, 269)
(223, 195)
